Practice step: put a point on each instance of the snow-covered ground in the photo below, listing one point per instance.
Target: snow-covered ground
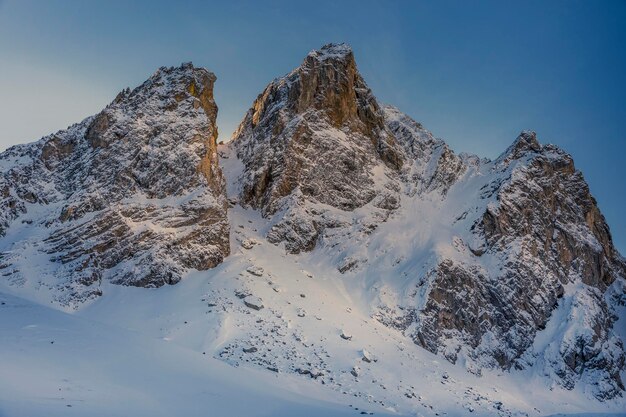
(58, 364)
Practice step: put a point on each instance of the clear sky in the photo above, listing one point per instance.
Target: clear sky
(473, 72)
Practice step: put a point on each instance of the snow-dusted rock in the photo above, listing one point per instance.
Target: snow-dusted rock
(248, 243)
(253, 302)
(255, 270)
(314, 142)
(533, 229)
(367, 356)
(133, 195)
(346, 335)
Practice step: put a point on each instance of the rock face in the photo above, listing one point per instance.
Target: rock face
(533, 241)
(133, 195)
(501, 247)
(316, 136)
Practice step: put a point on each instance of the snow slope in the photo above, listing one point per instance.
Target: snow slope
(161, 362)
(57, 364)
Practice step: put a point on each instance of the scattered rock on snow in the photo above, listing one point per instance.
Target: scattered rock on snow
(255, 270)
(368, 357)
(249, 243)
(253, 302)
(241, 294)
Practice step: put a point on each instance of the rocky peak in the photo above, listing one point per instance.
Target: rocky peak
(170, 94)
(329, 82)
(538, 222)
(173, 84)
(316, 134)
(341, 51)
(133, 195)
(526, 142)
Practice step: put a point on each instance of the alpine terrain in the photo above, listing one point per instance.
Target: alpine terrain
(332, 258)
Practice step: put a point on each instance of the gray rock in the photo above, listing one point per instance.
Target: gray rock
(149, 158)
(253, 302)
(255, 270)
(316, 135)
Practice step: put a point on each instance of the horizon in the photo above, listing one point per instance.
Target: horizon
(474, 75)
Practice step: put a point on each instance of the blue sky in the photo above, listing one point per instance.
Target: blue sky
(473, 72)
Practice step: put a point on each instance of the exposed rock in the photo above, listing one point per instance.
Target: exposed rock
(345, 335)
(543, 229)
(431, 164)
(248, 243)
(132, 195)
(366, 356)
(253, 302)
(255, 270)
(316, 135)
(313, 373)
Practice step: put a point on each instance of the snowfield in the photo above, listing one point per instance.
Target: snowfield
(58, 364)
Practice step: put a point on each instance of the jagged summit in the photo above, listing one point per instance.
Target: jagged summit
(525, 142)
(133, 195)
(335, 51)
(173, 83)
(318, 135)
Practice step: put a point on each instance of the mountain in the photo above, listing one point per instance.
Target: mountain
(133, 195)
(334, 241)
(487, 248)
(315, 140)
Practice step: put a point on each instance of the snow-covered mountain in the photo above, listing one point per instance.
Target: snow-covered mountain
(133, 195)
(334, 245)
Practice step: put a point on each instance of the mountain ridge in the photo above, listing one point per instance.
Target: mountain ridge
(469, 258)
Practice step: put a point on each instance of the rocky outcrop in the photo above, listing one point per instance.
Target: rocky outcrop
(431, 164)
(133, 195)
(538, 243)
(316, 136)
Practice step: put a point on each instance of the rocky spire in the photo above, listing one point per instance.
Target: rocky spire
(525, 143)
(316, 134)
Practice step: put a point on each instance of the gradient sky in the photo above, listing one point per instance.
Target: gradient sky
(473, 72)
